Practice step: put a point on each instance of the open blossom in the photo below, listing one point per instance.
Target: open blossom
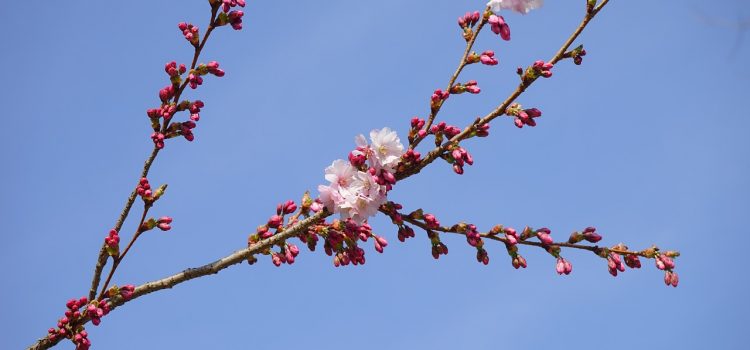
(520, 6)
(340, 172)
(362, 199)
(386, 149)
(357, 194)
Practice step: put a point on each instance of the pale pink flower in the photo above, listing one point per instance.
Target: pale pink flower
(362, 198)
(387, 148)
(340, 173)
(520, 6)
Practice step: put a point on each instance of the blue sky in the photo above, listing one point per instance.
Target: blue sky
(647, 141)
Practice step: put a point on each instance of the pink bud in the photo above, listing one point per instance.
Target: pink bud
(275, 221)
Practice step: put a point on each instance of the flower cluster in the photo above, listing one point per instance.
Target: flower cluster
(70, 326)
(469, 19)
(164, 223)
(190, 32)
(358, 187)
(523, 116)
(499, 26)
(112, 242)
(147, 194)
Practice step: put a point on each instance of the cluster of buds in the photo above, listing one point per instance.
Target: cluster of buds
(487, 58)
(227, 5)
(233, 18)
(69, 327)
(518, 261)
(190, 32)
(469, 19)
(144, 188)
(614, 264)
(472, 236)
(416, 130)
(576, 54)
(164, 223)
(286, 256)
(481, 130)
(666, 262)
(431, 221)
(442, 130)
(542, 68)
(466, 22)
(66, 327)
(523, 116)
(544, 235)
(184, 129)
(146, 193)
(437, 98)
(511, 244)
(195, 77)
(276, 223)
(158, 139)
(96, 310)
(174, 71)
(459, 156)
(166, 111)
(405, 232)
(340, 241)
(125, 292)
(499, 26)
(167, 93)
(112, 242)
(589, 234)
(470, 87)
(632, 261)
(380, 243)
(563, 266)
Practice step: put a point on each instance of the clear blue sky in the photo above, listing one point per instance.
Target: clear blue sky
(646, 141)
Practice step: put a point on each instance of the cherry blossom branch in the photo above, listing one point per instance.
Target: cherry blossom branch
(341, 236)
